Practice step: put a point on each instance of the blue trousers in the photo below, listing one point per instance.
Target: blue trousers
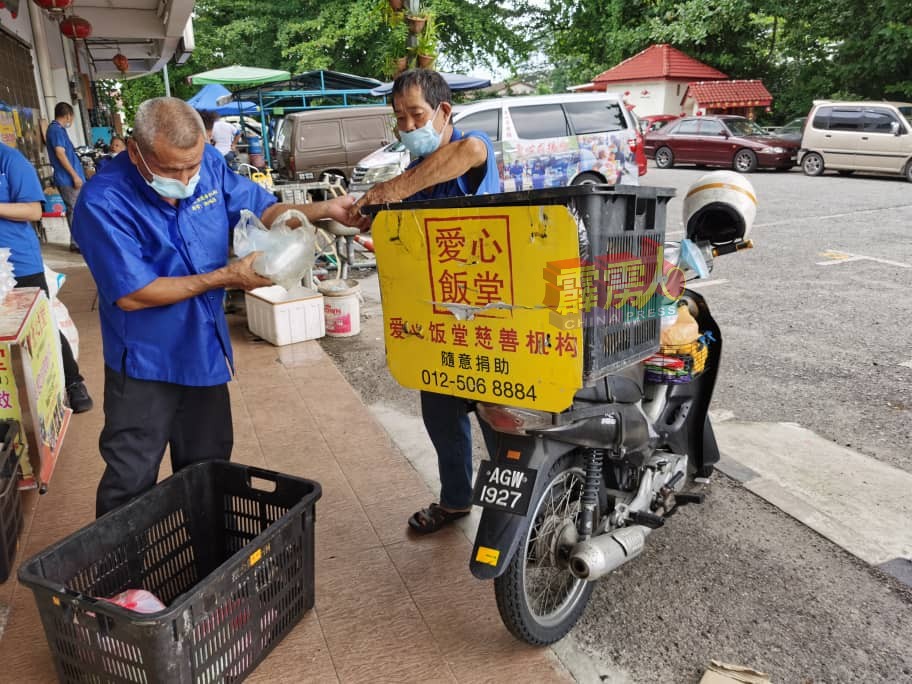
(446, 419)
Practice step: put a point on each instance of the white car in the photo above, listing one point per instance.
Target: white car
(380, 165)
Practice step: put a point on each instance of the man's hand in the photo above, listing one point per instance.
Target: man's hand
(342, 210)
(77, 182)
(241, 276)
(381, 193)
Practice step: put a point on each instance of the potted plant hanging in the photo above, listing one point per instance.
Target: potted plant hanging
(426, 49)
(416, 23)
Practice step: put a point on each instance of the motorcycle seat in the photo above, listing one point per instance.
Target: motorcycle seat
(623, 387)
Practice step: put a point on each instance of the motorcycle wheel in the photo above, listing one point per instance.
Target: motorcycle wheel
(538, 598)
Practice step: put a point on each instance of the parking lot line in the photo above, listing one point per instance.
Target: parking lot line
(845, 257)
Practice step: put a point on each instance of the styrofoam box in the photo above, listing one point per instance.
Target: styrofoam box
(285, 317)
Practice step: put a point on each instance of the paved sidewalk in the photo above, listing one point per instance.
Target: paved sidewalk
(389, 608)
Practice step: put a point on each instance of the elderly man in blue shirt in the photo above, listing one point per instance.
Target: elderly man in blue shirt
(154, 227)
(21, 198)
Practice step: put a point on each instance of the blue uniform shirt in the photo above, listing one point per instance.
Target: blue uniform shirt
(57, 137)
(459, 187)
(19, 183)
(130, 236)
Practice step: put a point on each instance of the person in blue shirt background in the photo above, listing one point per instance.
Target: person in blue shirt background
(68, 174)
(116, 147)
(21, 199)
(154, 226)
(446, 163)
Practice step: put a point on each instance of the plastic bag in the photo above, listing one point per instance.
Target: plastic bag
(287, 253)
(137, 600)
(66, 325)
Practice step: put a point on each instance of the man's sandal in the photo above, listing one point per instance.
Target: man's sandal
(432, 518)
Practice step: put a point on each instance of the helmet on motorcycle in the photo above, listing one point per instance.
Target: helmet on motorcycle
(720, 208)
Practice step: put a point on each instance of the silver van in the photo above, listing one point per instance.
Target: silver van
(309, 144)
(858, 136)
(541, 141)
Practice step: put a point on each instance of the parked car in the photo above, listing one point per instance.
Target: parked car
(858, 136)
(729, 141)
(653, 122)
(793, 130)
(311, 143)
(379, 166)
(541, 141)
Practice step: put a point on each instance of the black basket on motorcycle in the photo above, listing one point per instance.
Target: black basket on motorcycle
(622, 233)
(677, 363)
(228, 548)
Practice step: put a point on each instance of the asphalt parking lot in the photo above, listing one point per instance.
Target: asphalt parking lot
(816, 324)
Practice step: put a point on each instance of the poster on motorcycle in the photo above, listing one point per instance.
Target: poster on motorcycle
(468, 303)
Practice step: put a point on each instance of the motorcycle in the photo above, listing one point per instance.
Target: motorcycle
(569, 497)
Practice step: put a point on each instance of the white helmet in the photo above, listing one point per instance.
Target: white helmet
(720, 208)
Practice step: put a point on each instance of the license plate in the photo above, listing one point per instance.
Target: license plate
(504, 487)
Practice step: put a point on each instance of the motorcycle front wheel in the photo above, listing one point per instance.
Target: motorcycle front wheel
(538, 597)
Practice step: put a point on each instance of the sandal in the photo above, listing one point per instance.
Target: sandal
(433, 517)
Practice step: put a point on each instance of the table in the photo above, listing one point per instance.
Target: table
(31, 382)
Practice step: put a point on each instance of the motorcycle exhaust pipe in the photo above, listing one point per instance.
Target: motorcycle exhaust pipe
(596, 557)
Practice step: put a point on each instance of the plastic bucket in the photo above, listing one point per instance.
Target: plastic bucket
(341, 307)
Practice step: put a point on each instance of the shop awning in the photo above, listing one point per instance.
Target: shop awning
(455, 81)
(239, 75)
(208, 99)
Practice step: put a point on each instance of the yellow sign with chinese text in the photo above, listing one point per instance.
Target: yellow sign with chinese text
(472, 306)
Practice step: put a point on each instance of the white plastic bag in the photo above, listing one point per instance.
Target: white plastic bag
(66, 325)
(287, 253)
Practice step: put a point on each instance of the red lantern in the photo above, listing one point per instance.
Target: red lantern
(121, 62)
(53, 4)
(76, 28)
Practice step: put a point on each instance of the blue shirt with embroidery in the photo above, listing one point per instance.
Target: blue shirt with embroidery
(19, 184)
(130, 236)
(57, 137)
(461, 186)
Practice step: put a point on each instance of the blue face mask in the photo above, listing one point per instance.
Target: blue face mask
(171, 188)
(422, 141)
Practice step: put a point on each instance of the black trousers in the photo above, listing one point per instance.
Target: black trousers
(70, 367)
(142, 418)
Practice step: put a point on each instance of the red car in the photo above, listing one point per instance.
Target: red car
(729, 141)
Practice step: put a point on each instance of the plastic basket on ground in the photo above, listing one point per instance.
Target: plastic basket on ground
(676, 364)
(228, 548)
(10, 504)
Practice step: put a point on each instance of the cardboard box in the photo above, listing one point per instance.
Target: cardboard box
(285, 317)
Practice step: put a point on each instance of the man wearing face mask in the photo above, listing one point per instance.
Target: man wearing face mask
(446, 162)
(68, 173)
(159, 219)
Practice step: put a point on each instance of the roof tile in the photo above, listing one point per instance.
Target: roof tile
(659, 61)
(729, 93)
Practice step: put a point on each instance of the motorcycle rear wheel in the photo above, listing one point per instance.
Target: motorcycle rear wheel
(538, 597)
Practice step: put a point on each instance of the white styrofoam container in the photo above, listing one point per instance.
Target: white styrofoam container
(285, 317)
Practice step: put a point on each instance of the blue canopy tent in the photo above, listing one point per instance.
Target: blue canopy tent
(208, 96)
(455, 81)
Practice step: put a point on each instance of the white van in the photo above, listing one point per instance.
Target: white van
(858, 136)
(546, 141)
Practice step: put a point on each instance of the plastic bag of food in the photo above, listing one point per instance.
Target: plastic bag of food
(137, 600)
(287, 253)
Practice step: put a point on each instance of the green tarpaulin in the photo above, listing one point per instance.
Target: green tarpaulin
(240, 75)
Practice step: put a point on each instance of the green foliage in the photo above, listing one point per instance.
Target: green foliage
(802, 51)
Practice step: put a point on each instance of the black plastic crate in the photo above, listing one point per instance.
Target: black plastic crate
(10, 500)
(228, 548)
(614, 221)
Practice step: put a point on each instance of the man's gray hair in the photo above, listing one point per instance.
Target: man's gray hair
(169, 121)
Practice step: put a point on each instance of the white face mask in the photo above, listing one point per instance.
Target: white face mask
(422, 141)
(171, 188)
